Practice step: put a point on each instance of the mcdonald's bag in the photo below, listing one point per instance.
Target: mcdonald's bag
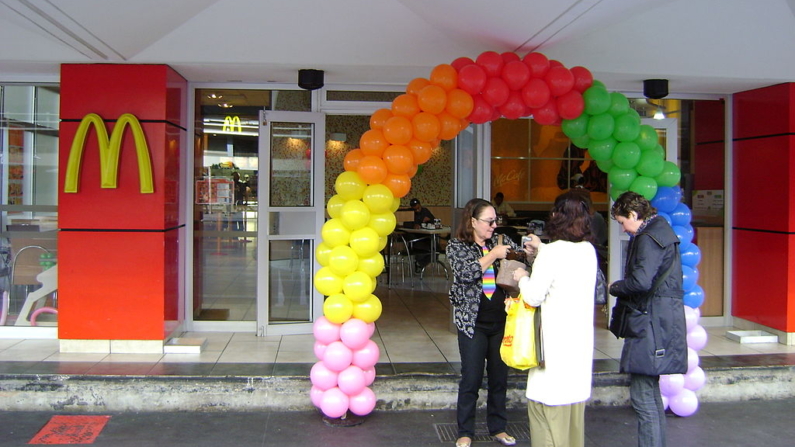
(522, 344)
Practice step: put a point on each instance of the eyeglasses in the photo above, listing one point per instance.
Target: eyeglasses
(487, 222)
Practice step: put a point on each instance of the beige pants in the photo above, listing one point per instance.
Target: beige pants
(556, 426)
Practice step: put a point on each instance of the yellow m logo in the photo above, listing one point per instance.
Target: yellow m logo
(230, 122)
(109, 149)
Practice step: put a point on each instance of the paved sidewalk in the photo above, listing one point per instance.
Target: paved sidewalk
(751, 423)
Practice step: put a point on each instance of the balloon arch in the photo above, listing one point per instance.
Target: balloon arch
(400, 139)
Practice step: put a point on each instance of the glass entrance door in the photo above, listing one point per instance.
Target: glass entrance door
(292, 211)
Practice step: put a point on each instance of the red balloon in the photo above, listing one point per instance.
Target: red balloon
(536, 93)
(510, 56)
(538, 64)
(560, 80)
(514, 107)
(547, 115)
(570, 105)
(491, 62)
(481, 110)
(461, 62)
(496, 91)
(472, 79)
(583, 79)
(554, 63)
(515, 74)
(495, 115)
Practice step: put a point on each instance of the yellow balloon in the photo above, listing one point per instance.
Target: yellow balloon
(372, 266)
(322, 253)
(395, 204)
(349, 185)
(369, 310)
(338, 308)
(334, 205)
(383, 223)
(378, 198)
(364, 242)
(343, 260)
(355, 214)
(382, 240)
(335, 233)
(357, 286)
(327, 283)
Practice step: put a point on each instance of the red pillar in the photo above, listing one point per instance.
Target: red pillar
(118, 248)
(764, 207)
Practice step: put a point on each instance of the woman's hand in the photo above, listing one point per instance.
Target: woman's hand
(531, 242)
(501, 251)
(519, 274)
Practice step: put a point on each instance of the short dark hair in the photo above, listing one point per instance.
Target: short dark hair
(473, 208)
(414, 202)
(570, 218)
(499, 195)
(631, 201)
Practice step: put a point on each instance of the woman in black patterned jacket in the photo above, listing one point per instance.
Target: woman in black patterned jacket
(479, 313)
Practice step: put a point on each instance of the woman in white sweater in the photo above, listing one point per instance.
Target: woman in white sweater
(562, 284)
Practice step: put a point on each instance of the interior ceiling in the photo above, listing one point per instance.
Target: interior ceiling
(701, 46)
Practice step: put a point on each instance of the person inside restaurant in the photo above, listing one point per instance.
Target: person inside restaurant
(421, 247)
(502, 207)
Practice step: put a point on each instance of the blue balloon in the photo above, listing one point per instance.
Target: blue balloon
(681, 215)
(666, 217)
(691, 254)
(678, 192)
(684, 233)
(695, 297)
(665, 200)
(689, 278)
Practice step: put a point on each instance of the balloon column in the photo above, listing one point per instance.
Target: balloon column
(401, 138)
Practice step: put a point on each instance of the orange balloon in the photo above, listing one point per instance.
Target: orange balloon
(413, 171)
(436, 143)
(445, 76)
(351, 161)
(426, 126)
(400, 185)
(450, 126)
(421, 150)
(405, 105)
(416, 85)
(432, 99)
(398, 159)
(372, 169)
(459, 103)
(378, 119)
(373, 142)
(398, 130)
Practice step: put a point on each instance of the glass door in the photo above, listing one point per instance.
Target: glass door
(292, 211)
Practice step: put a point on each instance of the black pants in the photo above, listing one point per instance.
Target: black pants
(482, 350)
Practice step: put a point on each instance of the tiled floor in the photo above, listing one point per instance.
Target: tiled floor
(414, 329)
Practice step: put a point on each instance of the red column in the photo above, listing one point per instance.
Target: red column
(764, 207)
(118, 245)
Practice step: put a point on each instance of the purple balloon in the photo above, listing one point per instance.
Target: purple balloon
(334, 403)
(692, 359)
(689, 278)
(671, 384)
(694, 298)
(681, 214)
(697, 338)
(695, 379)
(684, 404)
(691, 319)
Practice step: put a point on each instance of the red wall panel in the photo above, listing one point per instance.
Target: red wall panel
(765, 111)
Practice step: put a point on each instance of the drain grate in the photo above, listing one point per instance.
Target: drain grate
(449, 432)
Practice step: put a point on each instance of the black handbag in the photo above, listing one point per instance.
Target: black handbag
(628, 319)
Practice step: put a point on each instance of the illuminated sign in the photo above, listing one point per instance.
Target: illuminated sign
(109, 149)
(230, 122)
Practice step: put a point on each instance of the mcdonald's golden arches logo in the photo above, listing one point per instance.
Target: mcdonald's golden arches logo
(109, 150)
(230, 122)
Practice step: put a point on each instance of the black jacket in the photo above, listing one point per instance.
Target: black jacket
(663, 347)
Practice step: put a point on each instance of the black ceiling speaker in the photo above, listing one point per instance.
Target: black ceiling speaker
(655, 88)
(310, 79)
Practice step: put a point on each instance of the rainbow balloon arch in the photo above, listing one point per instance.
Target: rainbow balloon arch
(400, 139)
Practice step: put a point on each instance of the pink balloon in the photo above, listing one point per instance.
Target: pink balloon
(692, 359)
(370, 329)
(671, 384)
(369, 376)
(320, 350)
(366, 357)
(338, 356)
(351, 380)
(691, 318)
(684, 404)
(695, 379)
(322, 377)
(697, 338)
(334, 403)
(363, 403)
(316, 396)
(354, 333)
(325, 331)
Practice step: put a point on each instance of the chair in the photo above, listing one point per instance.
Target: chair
(399, 255)
(26, 266)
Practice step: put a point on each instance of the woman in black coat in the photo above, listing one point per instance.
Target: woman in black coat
(652, 283)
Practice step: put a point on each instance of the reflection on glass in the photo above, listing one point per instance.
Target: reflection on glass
(289, 273)
(291, 164)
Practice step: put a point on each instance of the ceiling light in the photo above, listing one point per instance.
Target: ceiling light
(214, 96)
(225, 105)
(659, 115)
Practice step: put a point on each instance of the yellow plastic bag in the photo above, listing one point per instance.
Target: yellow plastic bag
(521, 345)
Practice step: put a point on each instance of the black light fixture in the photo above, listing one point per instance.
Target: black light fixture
(310, 79)
(655, 88)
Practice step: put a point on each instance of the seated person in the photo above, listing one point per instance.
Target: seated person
(502, 207)
(421, 215)
(422, 247)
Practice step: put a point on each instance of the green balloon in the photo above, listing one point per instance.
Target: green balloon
(615, 193)
(670, 175)
(621, 178)
(634, 113)
(597, 100)
(645, 186)
(660, 150)
(582, 141)
(626, 155)
(604, 165)
(598, 83)
(601, 126)
(627, 127)
(651, 164)
(619, 104)
(601, 150)
(647, 137)
(576, 127)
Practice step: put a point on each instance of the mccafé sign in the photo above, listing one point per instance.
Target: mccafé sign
(232, 122)
(109, 149)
